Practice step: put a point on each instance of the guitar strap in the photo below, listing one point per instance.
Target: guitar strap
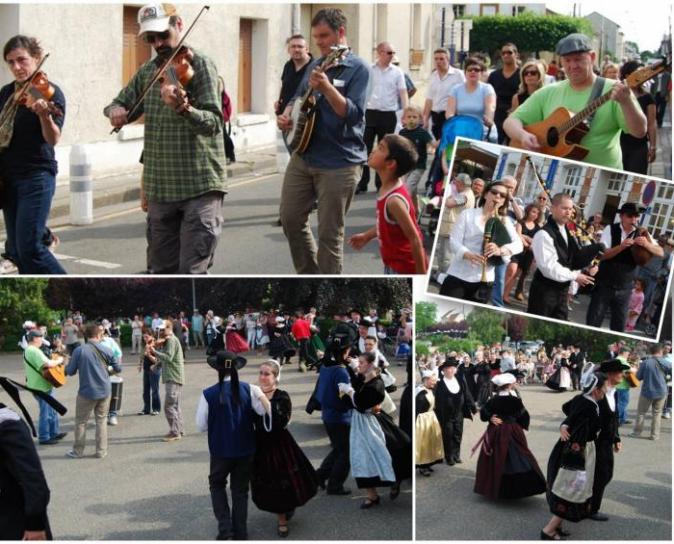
(597, 89)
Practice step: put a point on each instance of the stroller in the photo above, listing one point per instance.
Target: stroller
(463, 126)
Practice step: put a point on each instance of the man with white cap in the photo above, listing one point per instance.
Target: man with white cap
(184, 176)
(621, 114)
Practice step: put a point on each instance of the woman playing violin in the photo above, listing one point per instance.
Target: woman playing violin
(30, 128)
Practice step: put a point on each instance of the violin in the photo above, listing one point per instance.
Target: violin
(179, 73)
(39, 88)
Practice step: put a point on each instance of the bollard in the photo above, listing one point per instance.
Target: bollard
(81, 187)
(282, 156)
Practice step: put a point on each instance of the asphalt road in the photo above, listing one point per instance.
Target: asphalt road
(638, 500)
(250, 242)
(147, 489)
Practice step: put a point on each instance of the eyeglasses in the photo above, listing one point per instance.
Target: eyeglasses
(389, 52)
(151, 37)
(498, 193)
(507, 52)
(542, 198)
(468, 70)
(531, 73)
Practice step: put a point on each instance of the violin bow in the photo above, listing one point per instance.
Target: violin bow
(162, 69)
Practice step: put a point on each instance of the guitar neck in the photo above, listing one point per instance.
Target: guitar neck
(322, 68)
(585, 112)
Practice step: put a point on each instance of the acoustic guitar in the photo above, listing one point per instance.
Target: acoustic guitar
(304, 111)
(55, 375)
(561, 133)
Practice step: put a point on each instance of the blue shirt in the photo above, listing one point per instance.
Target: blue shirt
(652, 375)
(333, 409)
(338, 142)
(28, 150)
(94, 378)
(472, 104)
(197, 323)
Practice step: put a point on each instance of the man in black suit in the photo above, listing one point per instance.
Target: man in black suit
(453, 403)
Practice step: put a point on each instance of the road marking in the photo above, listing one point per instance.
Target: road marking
(134, 209)
(88, 262)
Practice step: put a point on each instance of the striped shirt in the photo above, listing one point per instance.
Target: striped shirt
(183, 156)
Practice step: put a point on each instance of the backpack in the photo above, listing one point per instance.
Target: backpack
(226, 101)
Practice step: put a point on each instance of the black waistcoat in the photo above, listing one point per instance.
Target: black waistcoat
(619, 271)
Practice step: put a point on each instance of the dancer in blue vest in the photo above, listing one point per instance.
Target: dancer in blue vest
(226, 411)
(336, 408)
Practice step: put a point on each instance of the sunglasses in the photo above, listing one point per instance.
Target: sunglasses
(151, 37)
(389, 52)
(498, 193)
(542, 198)
(473, 70)
(531, 73)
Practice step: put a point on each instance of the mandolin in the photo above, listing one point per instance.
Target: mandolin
(304, 111)
(561, 133)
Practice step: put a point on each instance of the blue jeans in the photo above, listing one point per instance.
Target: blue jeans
(48, 423)
(622, 397)
(499, 285)
(151, 401)
(26, 209)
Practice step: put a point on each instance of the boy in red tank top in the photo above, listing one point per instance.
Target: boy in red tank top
(400, 241)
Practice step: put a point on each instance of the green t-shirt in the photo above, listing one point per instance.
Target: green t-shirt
(33, 362)
(603, 140)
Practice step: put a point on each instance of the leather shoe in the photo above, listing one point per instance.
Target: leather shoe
(60, 436)
(340, 491)
(451, 463)
(458, 461)
(395, 491)
(49, 442)
(369, 503)
(546, 536)
(597, 516)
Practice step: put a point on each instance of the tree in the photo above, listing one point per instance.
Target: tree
(425, 315)
(485, 326)
(20, 300)
(530, 32)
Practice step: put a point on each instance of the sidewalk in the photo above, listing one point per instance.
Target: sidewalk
(123, 190)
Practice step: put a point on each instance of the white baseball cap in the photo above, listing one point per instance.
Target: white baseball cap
(155, 17)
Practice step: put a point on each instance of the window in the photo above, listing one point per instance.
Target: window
(135, 52)
(518, 10)
(666, 191)
(616, 183)
(657, 220)
(244, 96)
(572, 181)
(459, 11)
(489, 9)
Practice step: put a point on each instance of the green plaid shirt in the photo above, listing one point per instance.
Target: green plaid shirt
(183, 156)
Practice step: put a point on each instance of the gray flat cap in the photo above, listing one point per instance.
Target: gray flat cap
(573, 43)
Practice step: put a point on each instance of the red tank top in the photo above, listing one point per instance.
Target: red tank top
(395, 248)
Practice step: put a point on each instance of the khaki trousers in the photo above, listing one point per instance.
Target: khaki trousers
(333, 188)
(642, 409)
(83, 409)
(172, 409)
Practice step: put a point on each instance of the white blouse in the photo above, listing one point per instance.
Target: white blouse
(467, 235)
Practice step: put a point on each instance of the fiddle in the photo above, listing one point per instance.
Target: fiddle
(178, 73)
(39, 88)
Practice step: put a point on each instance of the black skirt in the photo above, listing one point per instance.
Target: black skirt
(283, 478)
(399, 445)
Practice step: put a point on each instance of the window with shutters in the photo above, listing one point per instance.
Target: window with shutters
(135, 52)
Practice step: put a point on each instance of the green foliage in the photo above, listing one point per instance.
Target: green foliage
(485, 326)
(425, 316)
(21, 299)
(530, 32)
(116, 297)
